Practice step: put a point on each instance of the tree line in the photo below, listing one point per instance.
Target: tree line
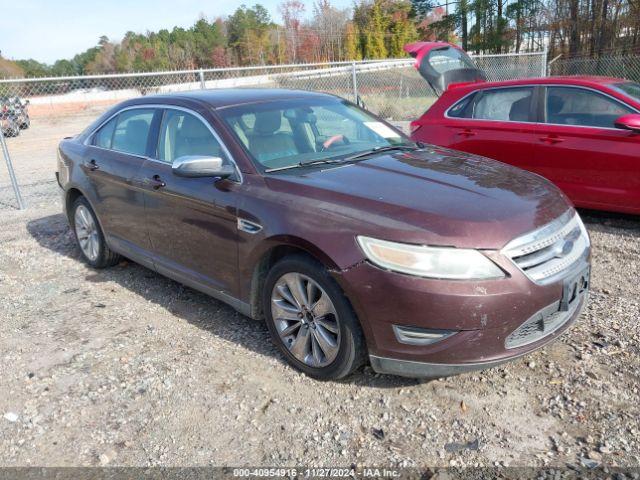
(372, 29)
(571, 28)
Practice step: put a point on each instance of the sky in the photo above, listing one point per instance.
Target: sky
(48, 30)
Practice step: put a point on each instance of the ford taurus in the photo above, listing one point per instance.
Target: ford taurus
(352, 242)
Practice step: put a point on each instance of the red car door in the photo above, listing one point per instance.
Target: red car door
(579, 148)
(498, 123)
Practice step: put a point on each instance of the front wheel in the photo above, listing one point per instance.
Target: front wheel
(310, 319)
(90, 237)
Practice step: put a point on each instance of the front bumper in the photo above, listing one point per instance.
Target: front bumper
(416, 369)
(484, 314)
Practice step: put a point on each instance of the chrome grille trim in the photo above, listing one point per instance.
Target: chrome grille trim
(547, 254)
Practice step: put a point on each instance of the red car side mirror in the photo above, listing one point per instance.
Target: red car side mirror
(629, 122)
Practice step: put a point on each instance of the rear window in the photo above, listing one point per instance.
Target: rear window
(505, 104)
(104, 136)
(132, 131)
(463, 109)
(445, 59)
(502, 104)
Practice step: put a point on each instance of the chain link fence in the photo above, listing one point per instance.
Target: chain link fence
(63, 106)
(619, 66)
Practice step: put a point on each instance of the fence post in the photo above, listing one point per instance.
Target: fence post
(551, 63)
(12, 175)
(354, 80)
(545, 66)
(201, 75)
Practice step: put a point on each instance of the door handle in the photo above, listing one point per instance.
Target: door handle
(155, 182)
(466, 133)
(551, 139)
(91, 165)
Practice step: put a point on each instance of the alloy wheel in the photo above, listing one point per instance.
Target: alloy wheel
(87, 233)
(305, 319)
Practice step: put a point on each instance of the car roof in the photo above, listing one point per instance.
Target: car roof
(582, 80)
(226, 97)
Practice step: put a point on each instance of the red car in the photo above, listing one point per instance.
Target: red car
(582, 133)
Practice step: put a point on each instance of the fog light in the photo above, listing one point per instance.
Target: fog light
(420, 336)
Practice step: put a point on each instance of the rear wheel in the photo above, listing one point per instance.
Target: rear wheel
(89, 236)
(310, 319)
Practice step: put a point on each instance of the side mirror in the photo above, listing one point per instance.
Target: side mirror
(199, 166)
(629, 122)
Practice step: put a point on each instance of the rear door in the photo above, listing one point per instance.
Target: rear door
(442, 64)
(580, 149)
(498, 123)
(115, 154)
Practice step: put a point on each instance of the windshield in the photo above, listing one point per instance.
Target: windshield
(629, 88)
(290, 132)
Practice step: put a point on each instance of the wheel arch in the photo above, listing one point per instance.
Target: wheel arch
(276, 249)
(71, 195)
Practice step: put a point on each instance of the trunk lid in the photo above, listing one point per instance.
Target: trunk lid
(442, 64)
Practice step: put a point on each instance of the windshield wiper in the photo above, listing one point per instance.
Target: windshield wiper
(303, 164)
(366, 153)
(375, 150)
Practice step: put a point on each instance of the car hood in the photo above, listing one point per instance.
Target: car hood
(432, 196)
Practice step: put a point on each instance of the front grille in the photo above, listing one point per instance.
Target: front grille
(543, 323)
(548, 253)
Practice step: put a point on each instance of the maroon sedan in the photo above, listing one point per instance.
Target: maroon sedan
(582, 133)
(351, 241)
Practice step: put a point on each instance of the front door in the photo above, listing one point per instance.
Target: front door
(115, 155)
(581, 150)
(192, 222)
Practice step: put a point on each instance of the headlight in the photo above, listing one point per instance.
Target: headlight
(583, 230)
(432, 262)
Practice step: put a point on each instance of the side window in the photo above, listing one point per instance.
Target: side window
(183, 134)
(579, 106)
(464, 108)
(504, 104)
(103, 137)
(132, 131)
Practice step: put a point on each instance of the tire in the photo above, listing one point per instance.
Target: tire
(86, 229)
(336, 345)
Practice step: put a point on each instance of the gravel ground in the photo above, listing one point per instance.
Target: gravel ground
(125, 367)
